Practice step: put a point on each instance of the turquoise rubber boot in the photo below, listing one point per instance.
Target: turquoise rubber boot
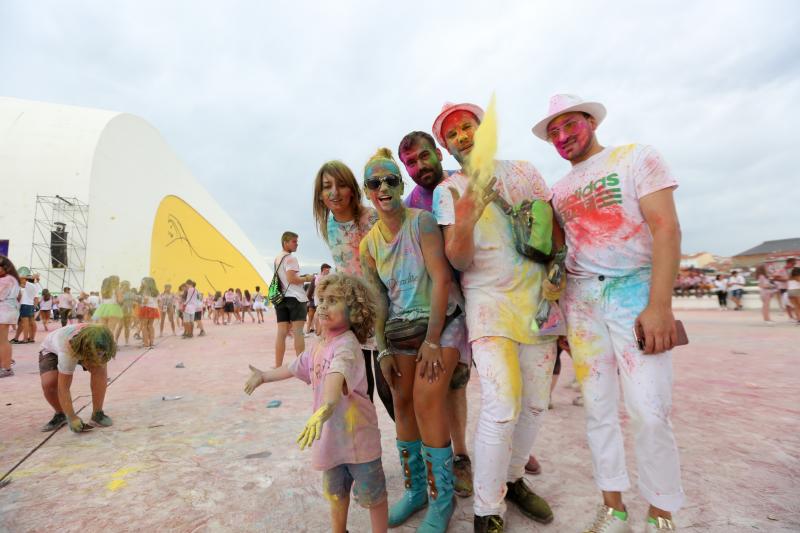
(439, 466)
(414, 497)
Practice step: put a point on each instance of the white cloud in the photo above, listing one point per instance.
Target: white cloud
(254, 97)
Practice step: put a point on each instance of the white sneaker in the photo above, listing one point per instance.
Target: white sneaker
(607, 522)
(664, 524)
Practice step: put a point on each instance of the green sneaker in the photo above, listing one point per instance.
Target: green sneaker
(58, 420)
(531, 505)
(101, 419)
(487, 524)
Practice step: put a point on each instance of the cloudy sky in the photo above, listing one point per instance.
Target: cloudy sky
(255, 96)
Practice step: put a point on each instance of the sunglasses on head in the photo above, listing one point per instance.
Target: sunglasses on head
(375, 183)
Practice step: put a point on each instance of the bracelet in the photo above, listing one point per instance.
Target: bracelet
(384, 353)
(432, 345)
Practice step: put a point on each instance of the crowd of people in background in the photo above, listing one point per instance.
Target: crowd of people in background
(129, 312)
(776, 280)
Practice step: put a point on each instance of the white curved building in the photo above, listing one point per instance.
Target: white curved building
(147, 213)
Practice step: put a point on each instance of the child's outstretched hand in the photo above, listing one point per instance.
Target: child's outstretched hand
(313, 429)
(255, 380)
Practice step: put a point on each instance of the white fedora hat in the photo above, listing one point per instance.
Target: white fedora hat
(447, 109)
(568, 103)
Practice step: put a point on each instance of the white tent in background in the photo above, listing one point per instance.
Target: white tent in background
(147, 215)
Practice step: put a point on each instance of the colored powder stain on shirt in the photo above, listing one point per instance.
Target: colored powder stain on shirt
(598, 225)
(620, 153)
(351, 419)
(344, 239)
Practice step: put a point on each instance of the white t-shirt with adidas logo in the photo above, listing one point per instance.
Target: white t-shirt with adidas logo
(597, 204)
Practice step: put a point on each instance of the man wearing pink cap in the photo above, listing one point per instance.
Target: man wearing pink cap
(617, 210)
(502, 290)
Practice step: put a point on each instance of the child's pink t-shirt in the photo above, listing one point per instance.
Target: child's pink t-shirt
(351, 435)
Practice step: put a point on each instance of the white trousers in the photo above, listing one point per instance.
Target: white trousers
(515, 389)
(600, 318)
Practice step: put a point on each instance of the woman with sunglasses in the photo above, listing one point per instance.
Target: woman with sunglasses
(342, 221)
(403, 257)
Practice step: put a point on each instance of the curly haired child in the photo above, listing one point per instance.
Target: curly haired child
(344, 421)
(90, 345)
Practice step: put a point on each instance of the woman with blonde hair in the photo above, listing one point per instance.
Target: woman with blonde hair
(109, 312)
(421, 332)
(342, 221)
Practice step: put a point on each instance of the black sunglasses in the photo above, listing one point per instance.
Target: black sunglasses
(375, 183)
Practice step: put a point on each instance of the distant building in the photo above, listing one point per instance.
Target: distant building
(767, 251)
(698, 260)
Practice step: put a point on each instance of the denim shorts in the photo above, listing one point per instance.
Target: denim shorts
(455, 336)
(26, 311)
(369, 488)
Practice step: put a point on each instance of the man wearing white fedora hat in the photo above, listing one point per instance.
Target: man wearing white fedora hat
(502, 290)
(617, 210)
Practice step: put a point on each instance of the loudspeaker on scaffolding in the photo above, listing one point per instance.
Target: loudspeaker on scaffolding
(58, 253)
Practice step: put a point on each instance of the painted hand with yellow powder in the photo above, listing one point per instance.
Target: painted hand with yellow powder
(469, 207)
(76, 425)
(552, 292)
(313, 429)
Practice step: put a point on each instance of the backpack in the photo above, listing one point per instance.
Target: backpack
(274, 293)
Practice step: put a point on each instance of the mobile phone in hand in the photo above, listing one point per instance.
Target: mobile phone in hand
(681, 339)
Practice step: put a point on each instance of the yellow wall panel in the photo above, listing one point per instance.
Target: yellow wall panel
(186, 246)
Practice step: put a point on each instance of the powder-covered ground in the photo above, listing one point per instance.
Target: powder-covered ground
(218, 460)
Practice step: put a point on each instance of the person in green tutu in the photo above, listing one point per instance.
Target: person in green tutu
(109, 312)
